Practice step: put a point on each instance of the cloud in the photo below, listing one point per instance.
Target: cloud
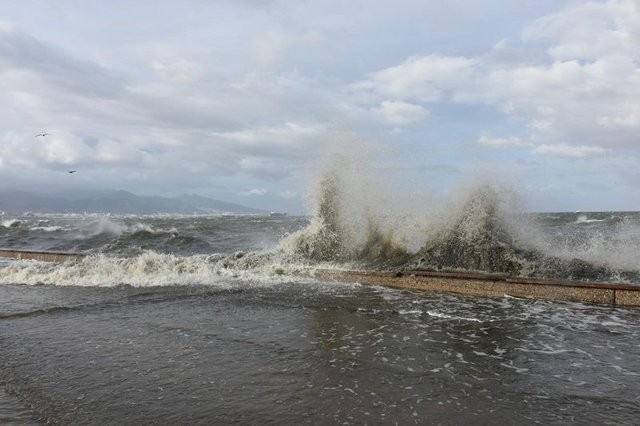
(401, 113)
(423, 78)
(55, 151)
(262, 168)
(255, 98)
(508, 142)
(178, 70)
(564, 150)
(589, 30)
(175, 120)
(23, 57)
(270, 47)
(579, 102)
(288, 140)
(581, 90)
(288, 195)
(255, 191)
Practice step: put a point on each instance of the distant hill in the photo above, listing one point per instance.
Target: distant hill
(118, 202)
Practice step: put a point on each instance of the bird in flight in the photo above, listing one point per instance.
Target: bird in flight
(42, 135)
(71, 171)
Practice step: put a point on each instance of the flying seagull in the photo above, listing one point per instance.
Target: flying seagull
(71, 171)
(42, 134)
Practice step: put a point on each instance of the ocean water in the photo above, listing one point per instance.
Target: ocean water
(219, 320)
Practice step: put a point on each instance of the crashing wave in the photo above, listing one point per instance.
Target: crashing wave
(11, 223)
(152, 269)
(480, 233)
(334, 234)
(482, 237)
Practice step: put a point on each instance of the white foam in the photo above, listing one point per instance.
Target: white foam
(151, 269)
(584, 219)
(410, 312)
(10, 223)
(9, 262)
(447, 316)
(615, 247)
(106, 226)
(52, 228)
(145, 227)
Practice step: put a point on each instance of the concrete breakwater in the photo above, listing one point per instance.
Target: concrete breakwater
(495, 285)
(466, 283)
(43, 256)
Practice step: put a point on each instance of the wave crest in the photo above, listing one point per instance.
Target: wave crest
(344, 227)
(151, 269)
(485, 230)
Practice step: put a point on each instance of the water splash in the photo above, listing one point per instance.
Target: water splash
(484, 229)
(477, 235)
(346, 225)
(11, 223)
(104, 225)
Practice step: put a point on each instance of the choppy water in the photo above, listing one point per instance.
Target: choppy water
(163, 324)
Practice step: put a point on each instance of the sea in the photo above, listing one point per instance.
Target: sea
(221, 319)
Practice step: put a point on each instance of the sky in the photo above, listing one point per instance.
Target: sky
(240, 100)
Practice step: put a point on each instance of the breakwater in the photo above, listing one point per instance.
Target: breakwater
(495, 285)
(467, 283)
(41, 255)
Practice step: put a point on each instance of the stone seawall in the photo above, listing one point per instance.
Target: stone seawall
(495, 285)
(43, 256)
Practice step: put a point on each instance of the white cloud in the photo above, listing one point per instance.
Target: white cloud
(270, 47)
(57, 150)
(288, 195)
(564, 150)
(625, 116)
(176, 121)
(509, 142)
(423, 78)
(109, 151)
(582, 89)
(178, 70)
(262, 168)
(187, 100)
(589, 30)
(579, 102)
(288, 134)
(255, 191)
(401, 113)
(288, 141)
(63, 151)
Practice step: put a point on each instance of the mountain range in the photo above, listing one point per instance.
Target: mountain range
(118, 202)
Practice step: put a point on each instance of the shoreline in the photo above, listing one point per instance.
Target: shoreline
(465, 283)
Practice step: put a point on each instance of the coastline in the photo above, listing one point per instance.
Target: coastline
(466, 283)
